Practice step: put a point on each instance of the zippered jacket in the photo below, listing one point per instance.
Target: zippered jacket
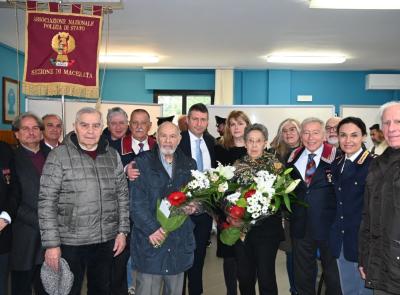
(82, 201)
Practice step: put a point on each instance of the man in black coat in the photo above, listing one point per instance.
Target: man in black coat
(198, 144)
(379, 235)
(310, 226)
(27, 254)
(8, 204)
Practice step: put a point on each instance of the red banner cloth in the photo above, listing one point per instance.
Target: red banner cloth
(61, 54)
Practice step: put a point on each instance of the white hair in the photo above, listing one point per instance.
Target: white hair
(385, 106)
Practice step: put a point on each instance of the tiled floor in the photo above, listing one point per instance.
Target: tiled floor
(214, 278)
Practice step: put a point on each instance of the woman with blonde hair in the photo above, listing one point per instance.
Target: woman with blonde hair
(287, 139)
(230, 148)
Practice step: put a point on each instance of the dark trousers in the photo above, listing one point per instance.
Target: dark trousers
(202, 230)
(96, 259)
(22, 282)
(119, 281)
(230, 275)
(3, 273)
(256, 260)
(305, 266)
(290, 271)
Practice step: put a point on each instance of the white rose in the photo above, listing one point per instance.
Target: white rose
(223, 187)
(214, 177)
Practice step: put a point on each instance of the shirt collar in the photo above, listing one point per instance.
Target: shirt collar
(138, 141)
(355, 155)
(317, 153)
(194, 137)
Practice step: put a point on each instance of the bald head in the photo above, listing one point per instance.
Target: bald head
(168, 138)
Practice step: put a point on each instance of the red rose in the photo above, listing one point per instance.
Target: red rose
(225, 225)
(236, 212)
(249, 193)
(177, 198)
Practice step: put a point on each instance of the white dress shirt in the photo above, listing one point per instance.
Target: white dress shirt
(301, 163)
(136, 147)
(203, 148)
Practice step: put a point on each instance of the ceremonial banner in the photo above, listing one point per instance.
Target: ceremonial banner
(61, 52)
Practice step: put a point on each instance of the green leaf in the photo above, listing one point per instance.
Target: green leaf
(287, 171)
(287, 202)
(277, 202)
(242, 203)
(230, 235)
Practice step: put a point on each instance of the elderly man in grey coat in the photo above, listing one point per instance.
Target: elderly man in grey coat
(160, 259)
(83, 204)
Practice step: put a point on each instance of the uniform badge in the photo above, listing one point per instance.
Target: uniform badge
(7, 175)
(328, 174)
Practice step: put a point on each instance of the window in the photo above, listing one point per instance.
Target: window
(177, 102)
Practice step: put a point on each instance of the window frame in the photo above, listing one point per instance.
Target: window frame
(184, 94)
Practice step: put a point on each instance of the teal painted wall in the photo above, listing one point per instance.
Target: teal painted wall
(250, 86)
(326, 87)
(8, 68)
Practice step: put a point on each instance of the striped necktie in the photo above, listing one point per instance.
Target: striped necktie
(141, 145)
(310, 169)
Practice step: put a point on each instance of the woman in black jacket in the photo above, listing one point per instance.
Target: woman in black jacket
(229, 149)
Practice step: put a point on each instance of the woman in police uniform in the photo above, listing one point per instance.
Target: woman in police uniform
(349, 172)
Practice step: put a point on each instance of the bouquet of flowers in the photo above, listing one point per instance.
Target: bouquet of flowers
(260, 196)
(200, 194)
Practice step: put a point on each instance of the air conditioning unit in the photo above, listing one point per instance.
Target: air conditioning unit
(382, 81)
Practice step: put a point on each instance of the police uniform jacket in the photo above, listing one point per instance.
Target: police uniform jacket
(349, 189)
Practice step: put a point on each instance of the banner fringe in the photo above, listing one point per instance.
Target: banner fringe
(51, 89)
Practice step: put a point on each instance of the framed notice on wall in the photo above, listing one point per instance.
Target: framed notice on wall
(10, 99)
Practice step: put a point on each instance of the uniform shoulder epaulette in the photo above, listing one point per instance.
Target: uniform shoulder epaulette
(294, 154)
(363, 156)
(328, 153)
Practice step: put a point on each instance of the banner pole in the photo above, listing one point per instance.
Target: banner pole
(63, 114)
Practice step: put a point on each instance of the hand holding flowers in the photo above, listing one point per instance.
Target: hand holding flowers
(259, 198)
(200, 194)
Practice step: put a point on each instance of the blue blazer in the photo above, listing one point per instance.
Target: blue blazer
(177, 251)
(349, 189)
(316, 219)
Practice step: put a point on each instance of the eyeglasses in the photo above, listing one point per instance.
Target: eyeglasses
(331, 128)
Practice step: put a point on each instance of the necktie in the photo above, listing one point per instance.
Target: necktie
(141, 145)
(199, 155)
(310, 169)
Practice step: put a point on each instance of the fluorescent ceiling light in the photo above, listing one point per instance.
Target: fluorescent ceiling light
(129, 59)
(304, 59)
(355, 4)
